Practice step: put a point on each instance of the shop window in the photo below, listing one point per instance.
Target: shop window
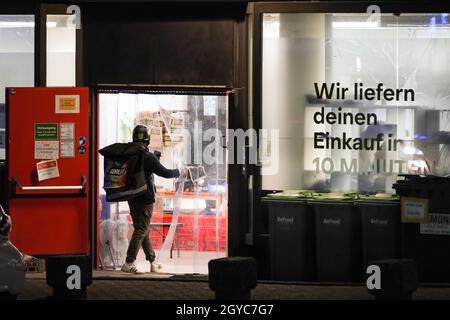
(356, 101)
(61, 50)
(16, 60)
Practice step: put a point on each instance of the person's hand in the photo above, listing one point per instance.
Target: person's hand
(29, 260)
(5, 228)
(184, 171)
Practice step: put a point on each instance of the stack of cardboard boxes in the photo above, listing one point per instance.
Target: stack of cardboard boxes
(162, 133)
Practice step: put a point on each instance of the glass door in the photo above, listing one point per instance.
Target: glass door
(184, 125)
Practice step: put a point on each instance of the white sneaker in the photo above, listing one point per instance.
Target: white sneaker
(155, 267)
(129, 267)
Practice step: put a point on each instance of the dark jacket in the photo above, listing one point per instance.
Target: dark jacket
(153, 166)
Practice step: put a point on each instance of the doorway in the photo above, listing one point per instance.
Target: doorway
(184, 124)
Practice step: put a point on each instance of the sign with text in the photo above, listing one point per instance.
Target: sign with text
(46, 131)
(47, 170)
(46, 149)
(67, 104)
(67, 130)
(351, 139)
(67, 149)
(414, 210)
(438, 224)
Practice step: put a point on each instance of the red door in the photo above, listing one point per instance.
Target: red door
(48, 169)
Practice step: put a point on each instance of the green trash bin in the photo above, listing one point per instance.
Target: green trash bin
(380, 227)
(291, 230)
(337, 227)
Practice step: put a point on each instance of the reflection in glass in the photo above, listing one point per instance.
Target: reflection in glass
(397, 53)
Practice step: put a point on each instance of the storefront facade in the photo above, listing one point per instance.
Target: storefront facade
(348, 95)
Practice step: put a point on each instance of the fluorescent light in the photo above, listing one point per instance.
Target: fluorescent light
(16, 24)
(27, 24)
(271, 25)
(409, 150)
(24, 24)
(271, 29)
(355, 24)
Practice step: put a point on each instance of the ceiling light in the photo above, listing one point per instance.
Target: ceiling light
(355, 24)
(24, 24)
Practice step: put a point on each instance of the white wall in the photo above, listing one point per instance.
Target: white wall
(61, 42)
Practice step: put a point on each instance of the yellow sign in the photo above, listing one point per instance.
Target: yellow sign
(67, 104)
(414, 210)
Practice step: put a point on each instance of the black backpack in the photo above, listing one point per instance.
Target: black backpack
(124, 174)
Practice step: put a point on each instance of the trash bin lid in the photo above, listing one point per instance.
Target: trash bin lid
(377, 197)
(290, 194)
(333, 196)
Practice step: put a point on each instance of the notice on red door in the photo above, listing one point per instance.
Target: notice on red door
(46, 150)
(67, 104)
(47, 170)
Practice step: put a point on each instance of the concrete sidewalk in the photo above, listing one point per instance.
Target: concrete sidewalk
(155, 287)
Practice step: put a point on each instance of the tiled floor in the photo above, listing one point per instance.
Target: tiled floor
(182, 262)
(185, 262)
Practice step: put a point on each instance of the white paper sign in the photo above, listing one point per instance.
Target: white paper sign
(46, 149)
(415, 210)
(47, 170)
(156, 141)
(67, 131)
(437, 224)
(67, 149)
(210, 105)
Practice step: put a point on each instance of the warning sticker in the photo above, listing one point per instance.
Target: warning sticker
(67, 149)
(437, 224)
(47, 170)
(67, 104)
(67, 130)
(46, 149)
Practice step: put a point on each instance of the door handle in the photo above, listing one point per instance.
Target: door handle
(16, 184)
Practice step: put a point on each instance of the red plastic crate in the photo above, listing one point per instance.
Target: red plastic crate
(157, 217)
(209, 233)
(212, 221)
(212, 246)
(186, 219)
(186, 237)
(185, 244)
(185, 229)
(156, 243)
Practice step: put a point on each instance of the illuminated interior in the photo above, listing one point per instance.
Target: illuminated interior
(201, 234)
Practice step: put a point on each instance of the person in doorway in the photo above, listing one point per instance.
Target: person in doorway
(141, 208)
